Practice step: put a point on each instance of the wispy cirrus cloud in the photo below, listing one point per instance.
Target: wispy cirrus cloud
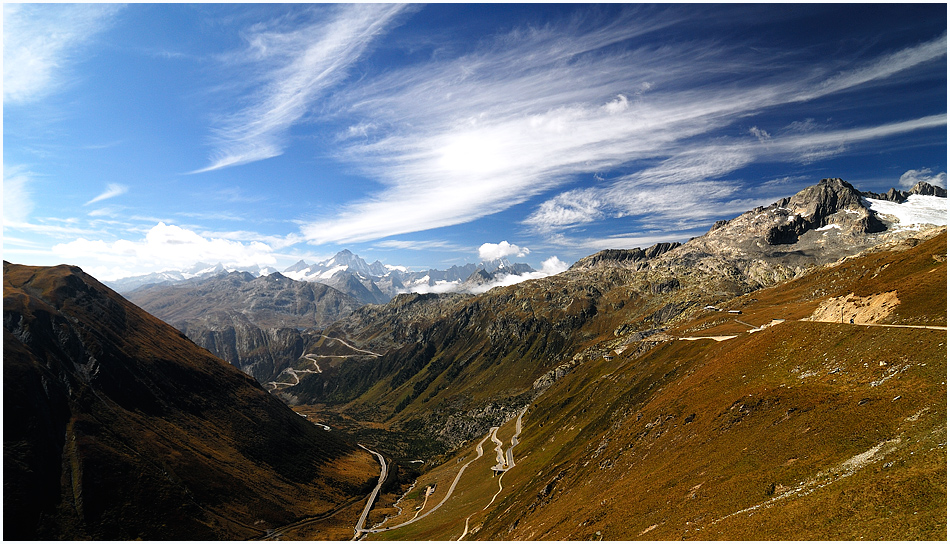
(40, 40)
(459, 139)
(112, 190)
(293, 67)
(17, 196)
(420, 245)
(879, 70)
(689, 185)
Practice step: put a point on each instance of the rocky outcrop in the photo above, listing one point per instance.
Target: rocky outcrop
(821, 205)
(820, 224)
(262, 353)
(926, 189)
(628, 258)
(921, 188)
(363, 290)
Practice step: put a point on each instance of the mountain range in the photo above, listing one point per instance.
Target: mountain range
(348, 273)
(782, 376)
(263, 323)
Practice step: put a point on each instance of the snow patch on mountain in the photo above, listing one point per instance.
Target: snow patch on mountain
(329, 273)
(916, 211)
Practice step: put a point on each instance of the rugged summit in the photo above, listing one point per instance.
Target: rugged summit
(920, 188)
(377, 283)
(118, 427)
(258, 324)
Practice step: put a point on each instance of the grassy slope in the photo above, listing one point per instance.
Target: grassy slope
(801, 431)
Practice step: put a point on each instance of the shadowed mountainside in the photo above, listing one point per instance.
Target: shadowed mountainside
(116, 426)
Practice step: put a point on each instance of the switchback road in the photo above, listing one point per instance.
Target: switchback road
(479, 451)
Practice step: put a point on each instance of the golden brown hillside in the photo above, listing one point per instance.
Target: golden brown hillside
(798, 430)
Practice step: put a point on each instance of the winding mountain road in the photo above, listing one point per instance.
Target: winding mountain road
(776, 322)
(312, 357)
(479, 451)
(372, 497)
(499, 453)
(354, 348)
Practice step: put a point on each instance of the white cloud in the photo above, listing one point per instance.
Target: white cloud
(164, 247)
(569, 208)
(420, 245)
(878, 70)
(296, 67)
(618, 105)
(40, 40)
(113, 190)
(439, 287)
(549, 267)
(553, 265)
(493, 252)
(913, 177)
(17, 201)
(760, 134)
(459, 139)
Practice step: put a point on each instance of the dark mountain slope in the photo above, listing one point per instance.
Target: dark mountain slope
(258, 324)
(118, 427)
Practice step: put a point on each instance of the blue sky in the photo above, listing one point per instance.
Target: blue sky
(142, 137)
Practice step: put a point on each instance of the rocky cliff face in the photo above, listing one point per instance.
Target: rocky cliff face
(118, 427)
(635, 258)
(258, 324)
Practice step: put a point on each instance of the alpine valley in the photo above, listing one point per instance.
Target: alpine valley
(782, 377)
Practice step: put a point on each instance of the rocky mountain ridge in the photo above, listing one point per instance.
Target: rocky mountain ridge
(348, 273)
(899, 196)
